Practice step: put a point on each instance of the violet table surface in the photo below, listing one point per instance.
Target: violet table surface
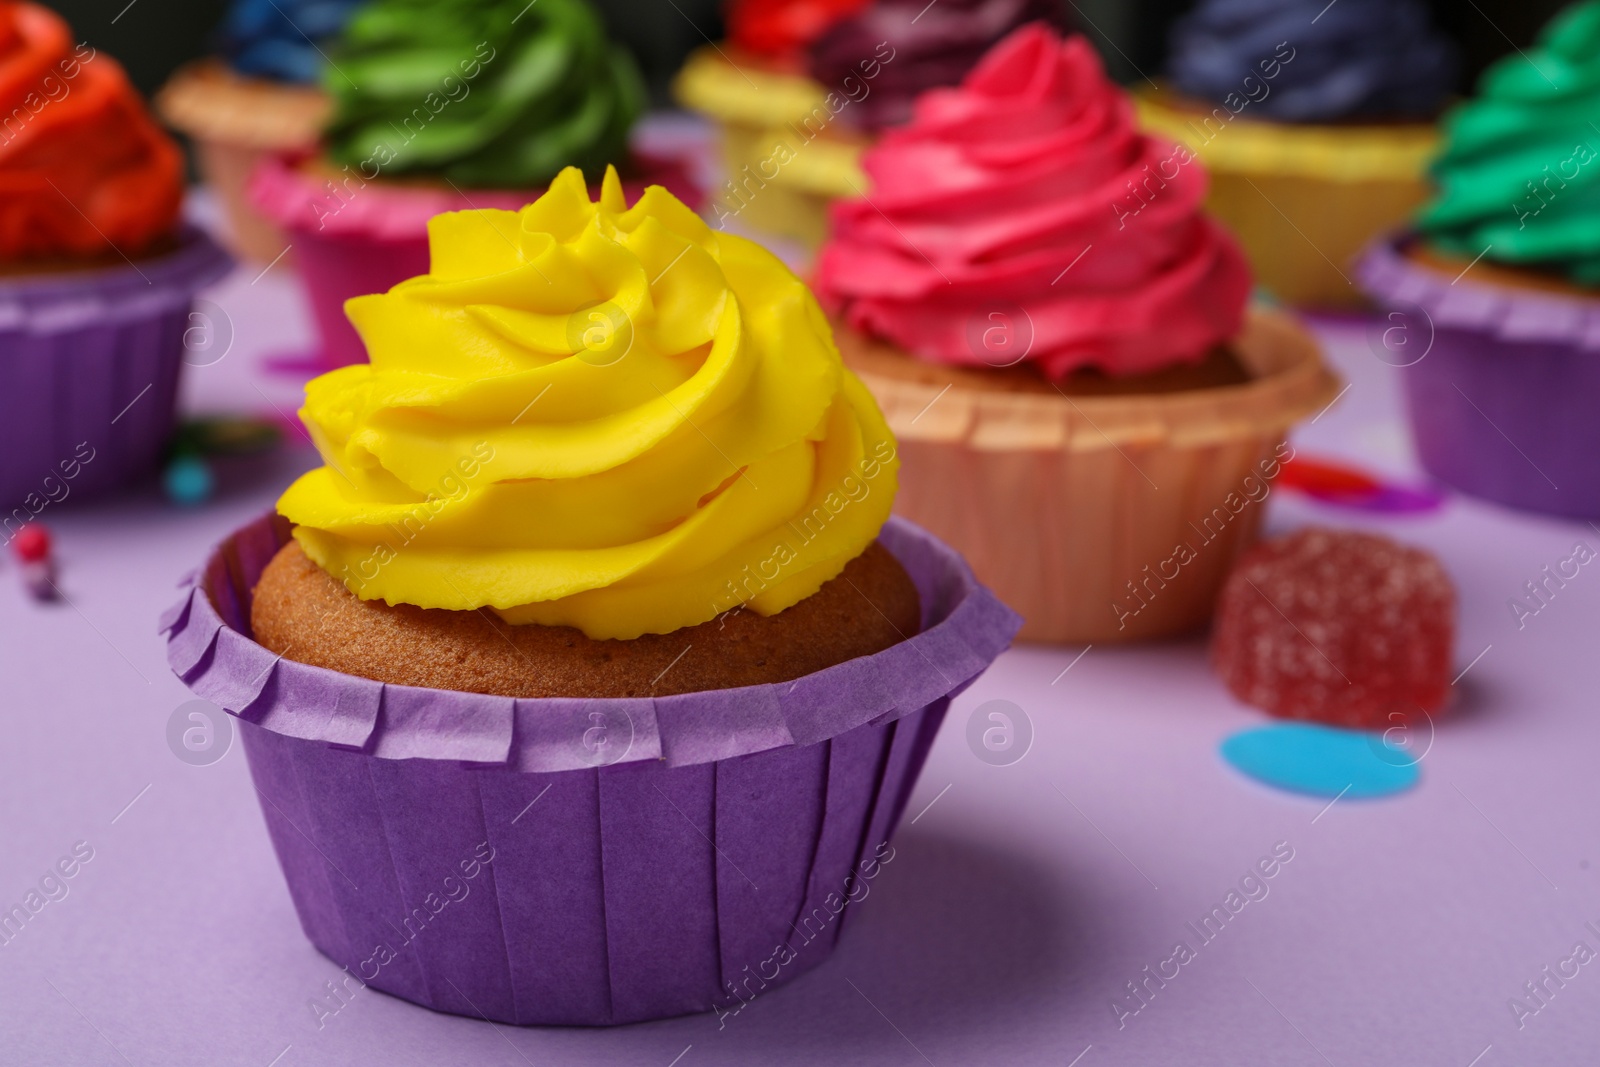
(1020, 901)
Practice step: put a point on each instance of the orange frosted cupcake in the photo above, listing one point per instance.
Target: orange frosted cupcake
(97, 272)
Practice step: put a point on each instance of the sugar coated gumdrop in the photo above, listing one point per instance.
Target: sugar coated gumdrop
(1345, 628)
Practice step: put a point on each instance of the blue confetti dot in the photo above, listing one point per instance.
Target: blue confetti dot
(1321, 761)
(188, 481)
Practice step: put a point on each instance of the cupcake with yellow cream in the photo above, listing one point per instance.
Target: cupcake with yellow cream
(1316, 122)
(601, 528)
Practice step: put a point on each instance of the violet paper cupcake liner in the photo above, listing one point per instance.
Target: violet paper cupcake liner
(582, 862)
(1502, 405)
(367, 237)
(89, 364)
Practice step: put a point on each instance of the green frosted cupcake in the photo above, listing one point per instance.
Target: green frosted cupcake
(1493, 309)
(484, 93)
(448, 105)
(1519, 178)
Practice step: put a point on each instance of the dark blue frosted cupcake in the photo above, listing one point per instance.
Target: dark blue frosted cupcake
(282, 41)
(1353, 60)
(1316, 121)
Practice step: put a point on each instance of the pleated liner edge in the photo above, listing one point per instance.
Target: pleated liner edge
(1514, 315)
(582, 862)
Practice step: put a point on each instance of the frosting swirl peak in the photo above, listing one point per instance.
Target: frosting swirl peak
(1029, 189)
(1519, 177)
(84, 170)
(592, 415)
(1375, 59)
(930, 45)
(488, 93)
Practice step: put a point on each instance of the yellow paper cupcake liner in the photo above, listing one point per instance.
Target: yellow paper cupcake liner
(1224, 141)
(787, 157)
(209, 102)
(1303, 200)
(715, 83)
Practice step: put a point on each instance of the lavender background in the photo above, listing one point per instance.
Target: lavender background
(1021, 898)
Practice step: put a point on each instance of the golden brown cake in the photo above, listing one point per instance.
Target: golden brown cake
(1221, 366)
(1485, 272)
(303, 613)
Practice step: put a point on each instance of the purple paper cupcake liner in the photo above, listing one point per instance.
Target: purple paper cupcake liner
(1502, 405)
(582, 862)
(89, 364)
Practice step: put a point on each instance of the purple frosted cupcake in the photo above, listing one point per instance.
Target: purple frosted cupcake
(933, 46)
(557, 718)
(96, 273)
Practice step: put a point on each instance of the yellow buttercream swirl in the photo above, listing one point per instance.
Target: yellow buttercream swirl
(592, 415)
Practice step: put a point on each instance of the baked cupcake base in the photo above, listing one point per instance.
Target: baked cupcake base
(1303, 199)
(582, 861)
(1076, 505)
(234, 121)
(89, 364)
(303, 612)
(1502, 399)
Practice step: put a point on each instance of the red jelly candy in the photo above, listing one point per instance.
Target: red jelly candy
(1341, 627)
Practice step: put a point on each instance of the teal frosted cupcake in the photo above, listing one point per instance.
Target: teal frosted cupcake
(1519, 177)
(1500, 289)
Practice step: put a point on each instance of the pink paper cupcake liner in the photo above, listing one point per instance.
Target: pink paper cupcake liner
(695, 858)
(1503, 404)
(371, 238)
(89, 364)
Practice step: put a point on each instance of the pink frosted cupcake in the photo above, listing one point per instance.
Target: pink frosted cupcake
(1059, 338)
